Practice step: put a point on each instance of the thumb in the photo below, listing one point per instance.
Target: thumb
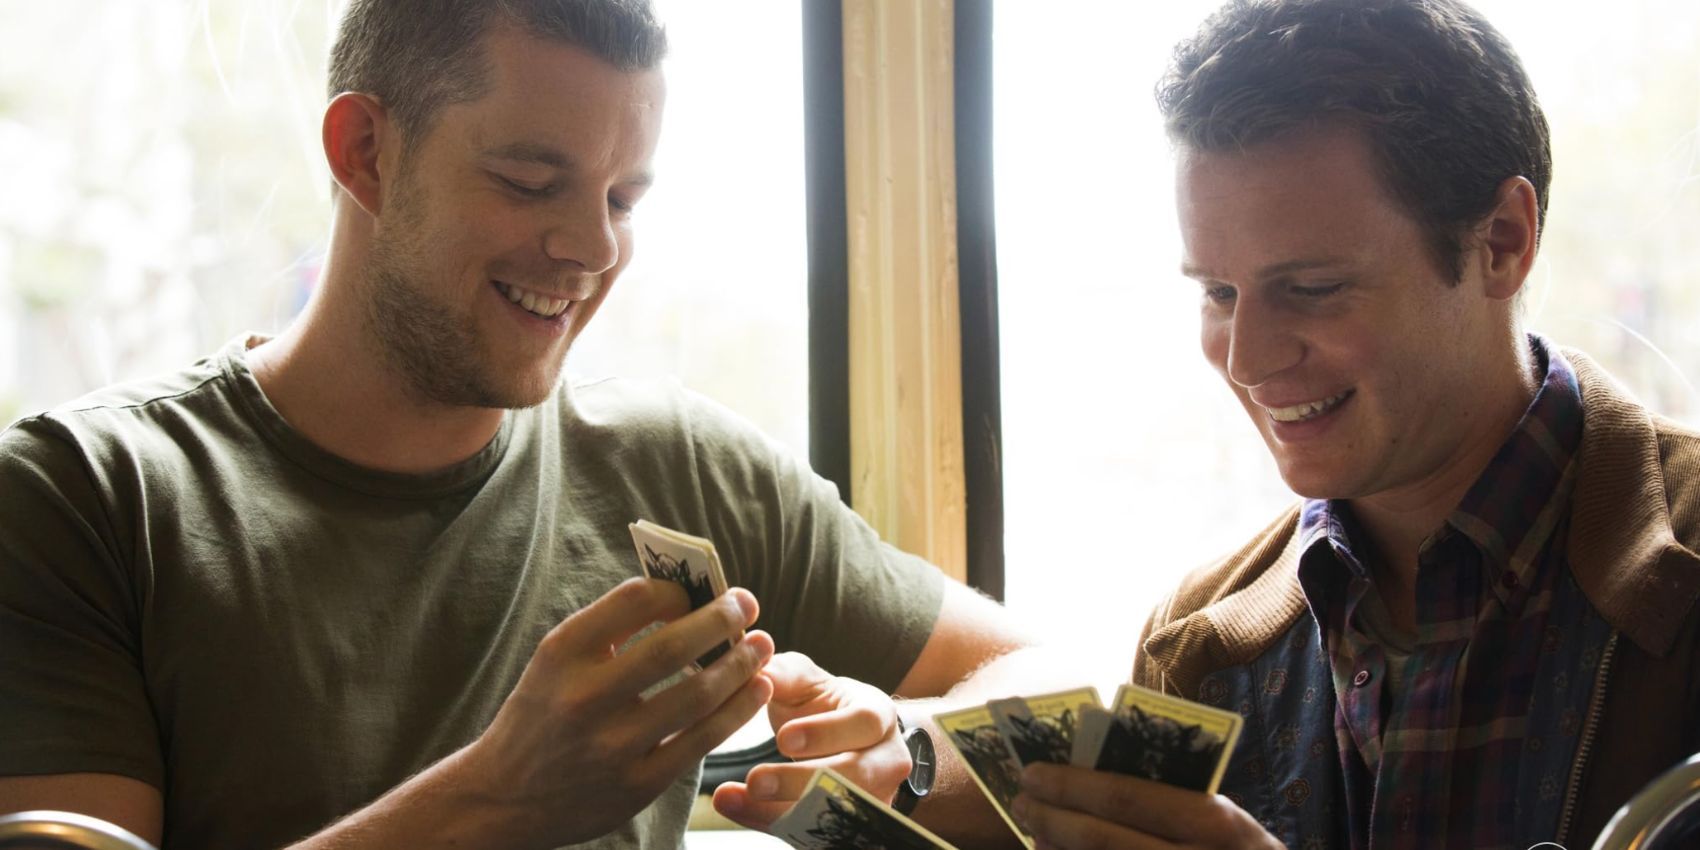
(796, 678)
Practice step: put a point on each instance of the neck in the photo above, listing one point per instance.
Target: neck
(325, 377)
(1398, 521)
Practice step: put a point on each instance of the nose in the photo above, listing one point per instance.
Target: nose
(585, 236)
(1259, 344)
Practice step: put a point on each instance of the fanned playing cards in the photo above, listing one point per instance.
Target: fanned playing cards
(686, 560)
(1143, 733)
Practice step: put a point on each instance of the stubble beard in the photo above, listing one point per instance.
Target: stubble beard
(431, 347)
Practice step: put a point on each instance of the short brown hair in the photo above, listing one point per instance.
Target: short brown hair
(417, 56)
(1440, 94)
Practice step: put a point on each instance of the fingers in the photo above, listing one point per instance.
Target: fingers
(772, 789)
(678, 753)
(620, 613)
(769, 792)
(695, 697)
(674, 646)
(796, 678)
(857, 726)
(1056, 828)
(1083, 804)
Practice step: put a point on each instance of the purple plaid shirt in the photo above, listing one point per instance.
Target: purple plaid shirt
(1432, 762)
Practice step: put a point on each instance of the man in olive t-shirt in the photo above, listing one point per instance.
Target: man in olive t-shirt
(197, 596)
(371, 569)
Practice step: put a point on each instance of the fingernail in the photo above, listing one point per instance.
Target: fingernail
(746, 604)
(731, 803)
(1018, 808)
(793, 741)
(764, 787)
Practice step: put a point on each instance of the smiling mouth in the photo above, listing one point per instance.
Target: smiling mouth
(539, 306)
(1307, 411)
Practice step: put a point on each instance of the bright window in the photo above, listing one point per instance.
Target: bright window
(1127, 462)
(165, 191)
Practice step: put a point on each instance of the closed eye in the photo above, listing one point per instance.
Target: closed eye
(526, 189)
(1316, 291)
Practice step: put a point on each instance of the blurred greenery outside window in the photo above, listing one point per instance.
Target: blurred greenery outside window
(163, 189)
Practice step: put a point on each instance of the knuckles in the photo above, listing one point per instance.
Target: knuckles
(873, 718)
(669, 647)
(731, 616)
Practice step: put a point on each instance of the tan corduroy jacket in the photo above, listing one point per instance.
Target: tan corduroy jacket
(1633, 543)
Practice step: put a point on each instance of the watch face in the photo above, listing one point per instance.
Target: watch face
(921, 758)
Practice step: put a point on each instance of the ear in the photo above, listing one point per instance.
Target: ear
(356, 128)
(1508, 238)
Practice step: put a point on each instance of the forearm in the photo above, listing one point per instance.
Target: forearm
(444, 806)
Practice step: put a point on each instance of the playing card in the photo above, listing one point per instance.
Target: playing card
(834, 814)
(975, 737)
(1089, 734)
(685, 560)
(1042, 728)
(1168, 739)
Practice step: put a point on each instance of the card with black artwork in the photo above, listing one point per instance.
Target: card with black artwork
(1041, 728)
(686, 560)
(975, 737)
(1089, 734)
(1168, 739)
(835, 814)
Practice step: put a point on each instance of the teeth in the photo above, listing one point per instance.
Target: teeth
(548, 308)
(1308, 410)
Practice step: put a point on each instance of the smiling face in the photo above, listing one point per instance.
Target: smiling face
(504, 228)
(1364, 367)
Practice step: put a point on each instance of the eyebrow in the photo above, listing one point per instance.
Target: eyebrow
(528, 152)
(1273, 271)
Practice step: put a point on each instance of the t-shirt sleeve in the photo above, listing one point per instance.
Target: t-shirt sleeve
(72, 695)
(829, 587)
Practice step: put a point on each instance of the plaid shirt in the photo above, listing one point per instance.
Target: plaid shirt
(1430, 764)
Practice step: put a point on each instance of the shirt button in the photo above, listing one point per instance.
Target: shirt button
(1361, 679)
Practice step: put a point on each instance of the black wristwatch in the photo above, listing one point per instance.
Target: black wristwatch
(919, 782)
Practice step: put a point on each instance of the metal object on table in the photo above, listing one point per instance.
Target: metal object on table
(47, 830)
(1661, 816)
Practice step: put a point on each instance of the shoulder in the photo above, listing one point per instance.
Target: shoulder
(1629, 436)
(1679, 459)
(653, 414)
(133, 416)
(1242, 587)
(1233, 573)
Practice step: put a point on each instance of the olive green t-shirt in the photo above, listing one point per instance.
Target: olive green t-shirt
(194, 595)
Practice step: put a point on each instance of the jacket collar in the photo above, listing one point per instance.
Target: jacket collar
(1622, 548)
(1240, 625)
(1622, 551)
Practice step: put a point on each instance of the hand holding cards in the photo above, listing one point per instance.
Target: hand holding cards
(1143, 733)
(685, 560)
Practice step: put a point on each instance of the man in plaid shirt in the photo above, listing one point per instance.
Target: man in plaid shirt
(1479, 629)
